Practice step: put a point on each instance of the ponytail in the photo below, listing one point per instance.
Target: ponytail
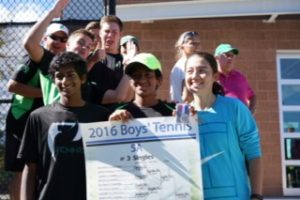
(218, 89)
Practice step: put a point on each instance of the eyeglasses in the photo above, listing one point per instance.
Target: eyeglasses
(58, 38)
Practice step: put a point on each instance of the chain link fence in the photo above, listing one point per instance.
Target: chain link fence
(16, 18)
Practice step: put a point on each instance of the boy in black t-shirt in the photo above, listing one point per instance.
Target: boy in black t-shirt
(146, 73)
(26, 97)
(52, 144)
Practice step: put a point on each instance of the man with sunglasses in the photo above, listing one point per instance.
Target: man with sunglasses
(79, 42)
(27, 96)
(55, 38)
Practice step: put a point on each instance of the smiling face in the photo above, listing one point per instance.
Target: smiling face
(80, 44)
(68, 83)
(145, 82)
(56, 42)
(199, 76)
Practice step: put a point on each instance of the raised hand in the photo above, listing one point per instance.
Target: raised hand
(59, 7)
(131, 51)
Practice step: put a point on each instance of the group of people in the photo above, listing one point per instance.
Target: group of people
(234, 82)
(94, 74)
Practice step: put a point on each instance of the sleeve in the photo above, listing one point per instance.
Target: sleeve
(45, 62)
(25, 71)
(28, 150)
(92, 93)
(248, 133)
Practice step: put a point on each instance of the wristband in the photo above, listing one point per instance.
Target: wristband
(257, 196)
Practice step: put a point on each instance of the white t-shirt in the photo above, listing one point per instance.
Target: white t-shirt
(176, 80)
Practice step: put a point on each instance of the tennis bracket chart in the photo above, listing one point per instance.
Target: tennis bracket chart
(144, 159)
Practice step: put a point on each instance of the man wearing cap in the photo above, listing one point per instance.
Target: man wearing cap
(146, 73)
(25, 84)
(54, 39)
(129, 47)
(234, 82)
(79, 42)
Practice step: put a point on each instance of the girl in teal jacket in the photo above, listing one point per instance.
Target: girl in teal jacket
(228, 133)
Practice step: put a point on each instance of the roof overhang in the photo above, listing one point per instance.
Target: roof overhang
(206, 9)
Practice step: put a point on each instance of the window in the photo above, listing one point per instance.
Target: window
(288, 70)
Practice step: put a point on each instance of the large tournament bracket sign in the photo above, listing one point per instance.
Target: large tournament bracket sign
(144, 159)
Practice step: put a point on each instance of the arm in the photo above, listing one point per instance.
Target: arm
(28, 182)
(97, 55)
(120, 94)
(23, 89)
(131, 50)
(33, 38)
(256, 175)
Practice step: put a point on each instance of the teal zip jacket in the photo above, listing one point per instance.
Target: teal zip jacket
(228, 128)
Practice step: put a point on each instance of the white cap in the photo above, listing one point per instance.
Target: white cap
(55, 27)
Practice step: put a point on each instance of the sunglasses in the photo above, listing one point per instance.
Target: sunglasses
(190, 35)
(58, 38)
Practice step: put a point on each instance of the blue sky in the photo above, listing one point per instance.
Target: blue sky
(23, 10)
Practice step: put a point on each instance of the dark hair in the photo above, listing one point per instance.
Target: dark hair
(111, 19)
(68, 59)
(217, 87)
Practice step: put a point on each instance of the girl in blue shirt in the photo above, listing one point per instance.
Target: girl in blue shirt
(228, 131)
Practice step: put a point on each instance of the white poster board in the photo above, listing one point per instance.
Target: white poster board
(146, 158)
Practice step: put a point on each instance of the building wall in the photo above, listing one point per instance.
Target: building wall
(258, 43)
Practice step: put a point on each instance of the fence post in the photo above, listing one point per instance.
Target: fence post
(112, 7)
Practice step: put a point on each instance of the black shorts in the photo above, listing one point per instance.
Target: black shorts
(13, 137)
(12, 145)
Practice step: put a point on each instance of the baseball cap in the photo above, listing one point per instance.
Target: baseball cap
(224, 48)
(128, 38)
(55, 27)
(145, 59)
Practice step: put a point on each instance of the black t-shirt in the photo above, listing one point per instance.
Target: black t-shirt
(27, 73)
(160, 109)
(53, 141)
(105, 75)
(108, 73)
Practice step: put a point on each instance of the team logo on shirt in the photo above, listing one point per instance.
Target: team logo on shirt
(61, 133)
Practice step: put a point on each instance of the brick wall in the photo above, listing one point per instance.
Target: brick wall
(258, 43)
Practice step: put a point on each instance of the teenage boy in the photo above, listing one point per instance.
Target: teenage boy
(52, 146)
(109, 73)
(80, 42)
(146, 73)
(25, 84)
